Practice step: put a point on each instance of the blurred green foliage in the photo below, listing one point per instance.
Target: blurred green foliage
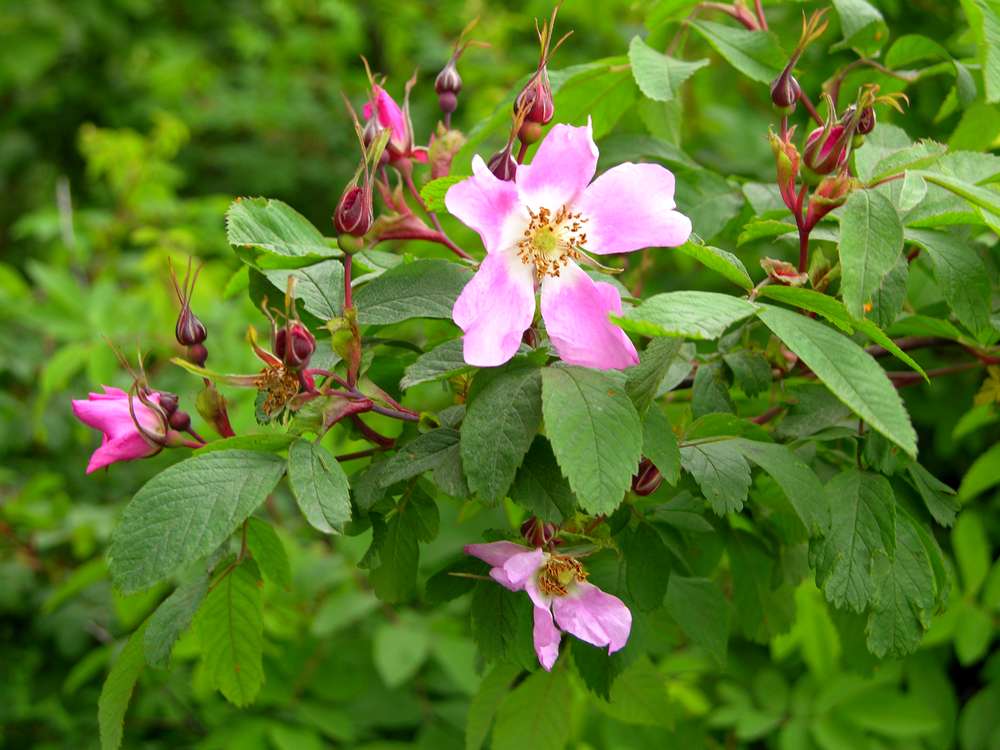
(129, 125)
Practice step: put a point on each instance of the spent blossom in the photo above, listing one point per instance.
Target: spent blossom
(537, 228)
(564, 601)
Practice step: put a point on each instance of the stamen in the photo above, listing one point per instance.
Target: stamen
(551, 240)
(558, 574)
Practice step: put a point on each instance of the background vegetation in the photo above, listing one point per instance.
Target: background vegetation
(128, 126)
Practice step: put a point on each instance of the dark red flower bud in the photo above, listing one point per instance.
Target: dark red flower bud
(647, 480)
(294, 345)
(536, 532)
(189, 330)
(502, 165)
(785, 92)
(168, 402)
(866, 121)
(827, 149)
(179, 420)
(448, 80)
(354, 214)
(535, 100)
(198, 354)
(530, 132)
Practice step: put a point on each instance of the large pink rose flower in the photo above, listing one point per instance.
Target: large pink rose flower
(109, 412)
(535, 229)
(563, 599)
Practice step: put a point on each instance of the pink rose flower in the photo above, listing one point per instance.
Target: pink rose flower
(535, 229)
(122, 441)
(563, 599)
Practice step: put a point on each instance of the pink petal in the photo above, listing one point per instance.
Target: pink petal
(575, 309)
(110, 394)
(519, 570)
(126, 447)
(489, 205)
(594, 616)
(562, 167)
(546, 637)
(494, 309)
(495, 553)
(110, 416)
(389, 116)
(630, 207)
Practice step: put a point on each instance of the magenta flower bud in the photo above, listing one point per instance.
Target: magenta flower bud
(785, 92)
(198, 354)
(826, 149)
(179, 420)
(535, 100)
(448, 102)
(448, 80)
(130, 428)
(354, 214)
(536, 532)
(503, 166)
(168, 402)
(294, 345)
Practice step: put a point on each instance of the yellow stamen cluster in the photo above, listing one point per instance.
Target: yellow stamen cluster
(280, 385)
(551, 239)
(558, 573)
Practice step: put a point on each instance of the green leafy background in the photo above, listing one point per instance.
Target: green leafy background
(796, 585)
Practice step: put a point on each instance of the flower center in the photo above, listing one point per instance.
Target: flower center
(551, 240)
(558, 574)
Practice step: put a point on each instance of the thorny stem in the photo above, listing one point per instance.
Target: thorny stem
(803, 247)
(348, 263)
(768, 415)
(890, 178)
(760, 15)
(366, 453)
(412, 188)
(810, 108)
(428, 236)
(522, 152)
(903, 379)
(372, 435)
(834, 84)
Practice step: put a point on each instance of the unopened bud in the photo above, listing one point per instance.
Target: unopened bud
(866, 121)
(179, 420)
(294, 345)
(783, 272)
(785, 92)
(647, 480)
(536, 532)
(831, 193)
(198, 354)
(354, 212)
(168, 402)
(448, 102)
(535, 100)
(502, 165)
(826, 149)
(189, 330)
(448, 80)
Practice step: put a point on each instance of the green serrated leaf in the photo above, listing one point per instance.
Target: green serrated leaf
(722, 262)
(939, 498)
(484, 705)
(501, 419)
(433, 193)
(424, 453)
(595, 433)
(751, 370)
(702, 611)
(174, 615)
(269, 552)
(502, 624)
(756, 54)
(690, 314)
(642, 382)
(720, 471)
(536, 714)
(540, 487)
(231, 626)
(443, 361)
(659, 76)
(278, 235)
(186, 511)
(319, 287)
(871, 244)
(766, 606)
(399, 649)
(848, 371)
(422, 289)
(117, 690)
(647, 567)
(862, 530)
(659, 444)
(862, 25)
(319, 485)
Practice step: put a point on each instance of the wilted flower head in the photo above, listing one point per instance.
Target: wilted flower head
(535, 99)
(783, 272)
(537, 228)
(564, 600)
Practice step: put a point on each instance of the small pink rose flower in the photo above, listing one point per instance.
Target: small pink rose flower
(535, 229)
(122, 440)
(563, 599)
